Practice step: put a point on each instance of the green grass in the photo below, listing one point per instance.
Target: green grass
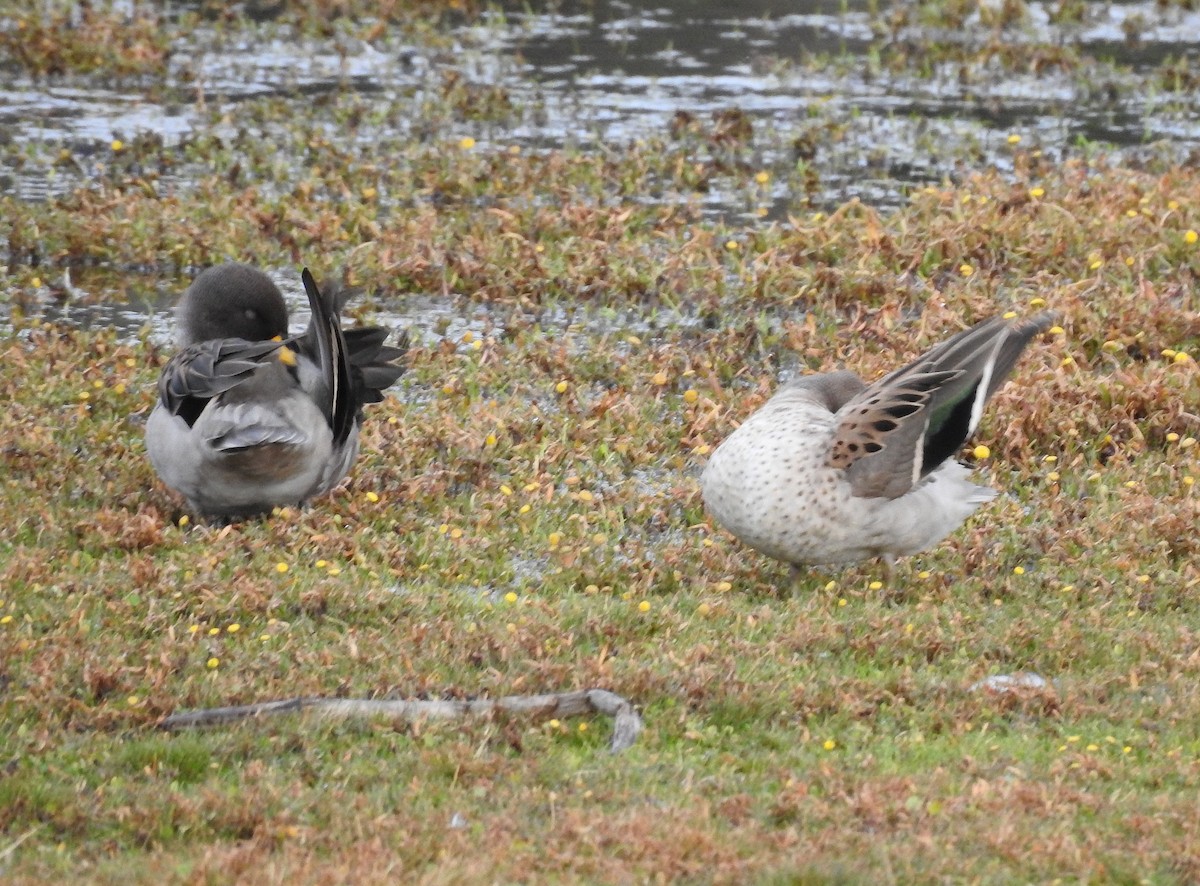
(823, 734)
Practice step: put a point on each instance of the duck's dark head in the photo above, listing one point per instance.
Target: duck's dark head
(231, 301)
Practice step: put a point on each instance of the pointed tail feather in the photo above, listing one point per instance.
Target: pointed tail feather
(325, 332)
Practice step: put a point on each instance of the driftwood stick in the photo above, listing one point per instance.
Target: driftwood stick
(627, 723)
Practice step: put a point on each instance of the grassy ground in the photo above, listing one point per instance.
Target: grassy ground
(525, 517)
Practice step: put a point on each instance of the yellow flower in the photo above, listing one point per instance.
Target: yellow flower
(703, 609)
(561, 387)
(118, 145)
(875, 586)
(763, 177)
(212, 632)
(466, 143)
(830, 744)
(510, 597)
(1037, 302)
(1018, 570)
(372, 497)
(555, 539)
(1037, 192)
(843, 601)
(1182, 357)
(281, 567)
(966, 270)
(1014, 139)
(489, 440)
(690, 396)
(1190, 237)
(732, 245)
(212, 663)
(660, 378)
(132, 700)
(184, 521)
(981, 452)
(644, 606)
(234, 628)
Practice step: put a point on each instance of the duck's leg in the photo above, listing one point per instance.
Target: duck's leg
(889, 568)
(795, 573)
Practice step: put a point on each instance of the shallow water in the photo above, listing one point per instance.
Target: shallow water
(602, 73)
(609, 71)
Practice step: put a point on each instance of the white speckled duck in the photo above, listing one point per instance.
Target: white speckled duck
(831, 470)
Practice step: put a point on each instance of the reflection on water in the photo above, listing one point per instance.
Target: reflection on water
(812, 77)
(608, 71)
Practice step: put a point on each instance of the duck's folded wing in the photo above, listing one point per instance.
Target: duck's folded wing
(901, 428)
(202, 371)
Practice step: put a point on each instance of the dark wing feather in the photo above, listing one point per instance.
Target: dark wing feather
(374, 367)
(202, 371)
